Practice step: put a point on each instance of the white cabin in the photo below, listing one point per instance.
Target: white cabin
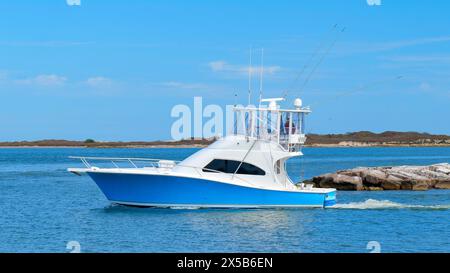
(255, 153)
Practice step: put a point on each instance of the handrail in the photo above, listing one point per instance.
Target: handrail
(154, 162)
(243, 159)
(120, 158)
(305, 109)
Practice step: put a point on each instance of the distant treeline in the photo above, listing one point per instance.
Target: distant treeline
(388, 137)
(98, 144)
(348, 139)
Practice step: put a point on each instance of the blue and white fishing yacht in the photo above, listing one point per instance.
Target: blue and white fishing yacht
(245, 169)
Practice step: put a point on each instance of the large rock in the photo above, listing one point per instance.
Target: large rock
(368, 188)
(373, 177)
(442, 185)
(415, 178)
(392, 183)
(415, 185)
(411, 180)
(441, 168)
(340, 182)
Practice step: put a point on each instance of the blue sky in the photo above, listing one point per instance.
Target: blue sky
(113, 70)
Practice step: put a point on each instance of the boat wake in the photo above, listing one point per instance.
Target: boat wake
(372, 204)
(185, 207)
(386, 204)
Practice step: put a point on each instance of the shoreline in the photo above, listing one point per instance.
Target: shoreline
(361, 139)
(103, 147)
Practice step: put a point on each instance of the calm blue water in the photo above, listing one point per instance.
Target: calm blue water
(42, 207)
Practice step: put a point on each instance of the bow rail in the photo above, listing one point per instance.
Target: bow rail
(157, 164)
(153, 162)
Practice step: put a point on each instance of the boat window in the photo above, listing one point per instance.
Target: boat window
(230, 166)
(250, 169)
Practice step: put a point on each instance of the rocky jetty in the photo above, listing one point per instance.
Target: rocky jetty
(417, 178)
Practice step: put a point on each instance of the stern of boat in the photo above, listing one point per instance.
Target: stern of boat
(330, 199)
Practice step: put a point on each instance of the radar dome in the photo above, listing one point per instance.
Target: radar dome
(298, 103)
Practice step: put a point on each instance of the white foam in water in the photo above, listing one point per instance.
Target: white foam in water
(184, 207)
(385, 204)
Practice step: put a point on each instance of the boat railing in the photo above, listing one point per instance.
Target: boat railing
(283, 126)
(157, 164)
(133, 162)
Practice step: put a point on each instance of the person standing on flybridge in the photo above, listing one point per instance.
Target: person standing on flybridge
(286, 126)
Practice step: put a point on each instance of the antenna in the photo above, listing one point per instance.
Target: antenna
(261, 76)
(250, 78)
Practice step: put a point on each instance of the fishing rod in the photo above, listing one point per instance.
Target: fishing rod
(250, 76)
(261, 77)
(356, 90)
(359, 89)
(308, 63)
(321, 60)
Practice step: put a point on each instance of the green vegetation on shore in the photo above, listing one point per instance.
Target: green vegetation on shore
(388, 138)
(356, 139)
(90, 143)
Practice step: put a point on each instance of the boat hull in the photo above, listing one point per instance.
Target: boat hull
(174, 191)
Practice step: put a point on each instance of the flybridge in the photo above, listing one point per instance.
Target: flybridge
(271, 123)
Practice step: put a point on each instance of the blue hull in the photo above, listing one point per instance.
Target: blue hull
(168, 191)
